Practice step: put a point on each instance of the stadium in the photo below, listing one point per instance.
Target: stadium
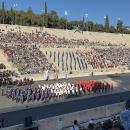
(56, 77)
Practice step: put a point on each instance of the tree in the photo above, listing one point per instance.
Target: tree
(113, 29)
(62, 23)
(83, 24)
(30, 11)
(75, 24)
(126, 31)
(46, 15)
(119, 26)
(12, 16)
(98, 27)
(30, 16)
(53, 19)
(107, 24)
(46, 8)
(3, 12)
(90, 25)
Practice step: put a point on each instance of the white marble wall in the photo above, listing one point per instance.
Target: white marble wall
(58, 122)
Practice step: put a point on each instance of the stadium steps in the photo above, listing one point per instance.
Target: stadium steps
(69, 34)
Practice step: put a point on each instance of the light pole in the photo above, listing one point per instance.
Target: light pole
(43, 16)
(86, 16)
(15, 7)
(105, 23)
(66, 15)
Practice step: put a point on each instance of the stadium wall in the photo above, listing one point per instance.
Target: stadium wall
(66, 120)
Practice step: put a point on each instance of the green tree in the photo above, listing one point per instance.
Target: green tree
(119, 26)
(46, 15)
(53, 19)
(30, 11)
(90, 25)
(12, 16)
(113, 29)
(106, 24)
(3, 12)
(98, 27)
(46, 8)
(62, 23)
(29, 16)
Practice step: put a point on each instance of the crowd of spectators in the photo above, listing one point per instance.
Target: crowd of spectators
(113, 123)
(119, 122)
(28, 60)
(95, 58)
(22, 49)
(55, 91)
(6, 77)
(103, 58)
(23, 82)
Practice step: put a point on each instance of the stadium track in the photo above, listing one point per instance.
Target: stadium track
(94, 77)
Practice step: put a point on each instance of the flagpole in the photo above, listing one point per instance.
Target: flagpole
(15, 7)
(86, 16)
(66, 14)
(83, 25)
(66, 22)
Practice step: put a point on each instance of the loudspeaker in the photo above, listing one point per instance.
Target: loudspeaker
(28, 121)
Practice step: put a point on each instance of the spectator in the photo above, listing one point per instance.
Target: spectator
(125, 116)
(75, 126)
(91, 124)
(99, 126)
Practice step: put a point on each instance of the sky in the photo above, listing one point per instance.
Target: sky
(96, 9)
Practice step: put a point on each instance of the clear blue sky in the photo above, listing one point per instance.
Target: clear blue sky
(96, 9)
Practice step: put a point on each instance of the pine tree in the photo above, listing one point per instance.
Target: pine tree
(30, 11)
(46, 15)
(119, 26)
(83, 26)
(3, 12)
(12, 16)
(46, 11)
(3, 6)
(107, 24)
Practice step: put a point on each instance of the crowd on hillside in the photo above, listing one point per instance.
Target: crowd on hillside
(96, 58)
(6, 77)
(100, 58)
(22, 49)
(55, 91)
(28, 60)
(48, 40)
